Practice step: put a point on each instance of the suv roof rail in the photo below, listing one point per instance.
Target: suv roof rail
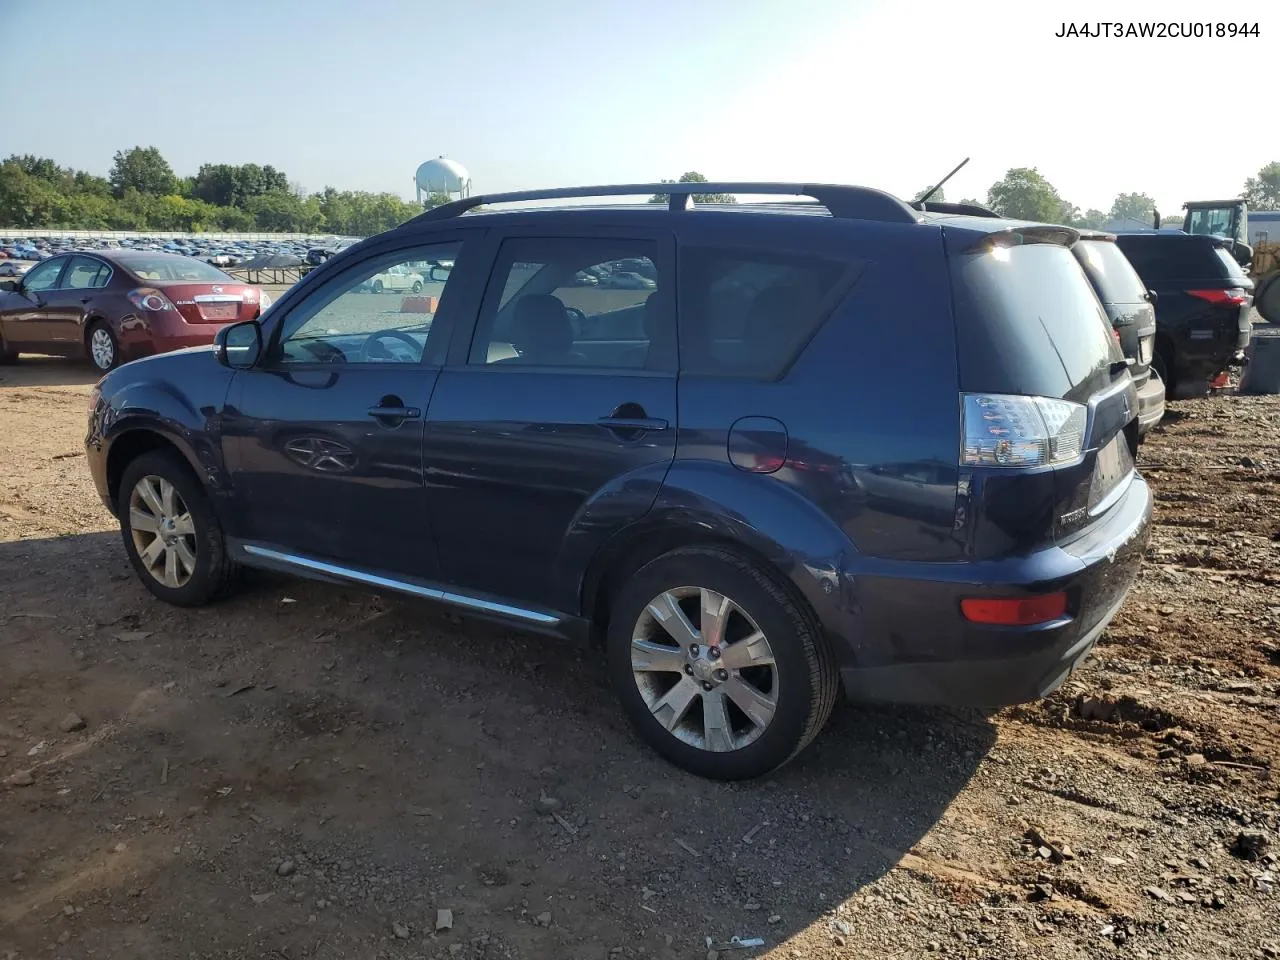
(943, 206)
(842, 201)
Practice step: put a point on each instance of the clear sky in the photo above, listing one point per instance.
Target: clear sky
(356, 93)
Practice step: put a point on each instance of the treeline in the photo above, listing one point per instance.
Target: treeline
(1024, 194)
(141, 192)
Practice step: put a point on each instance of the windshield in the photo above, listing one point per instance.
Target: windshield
(174, 268)
(1113, 276)
(1028, 322)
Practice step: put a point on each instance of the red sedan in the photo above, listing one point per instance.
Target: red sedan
(110, 306)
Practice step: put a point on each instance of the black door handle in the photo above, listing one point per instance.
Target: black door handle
(395, 413)
(633, 423)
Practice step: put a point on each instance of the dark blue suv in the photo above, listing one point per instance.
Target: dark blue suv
(756, 452)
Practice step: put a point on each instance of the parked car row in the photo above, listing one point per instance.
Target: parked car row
(884, 451)
(216, 251)
(109, 306)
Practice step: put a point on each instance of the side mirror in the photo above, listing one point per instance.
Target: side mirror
(239, 345)
(9, 285)
(1242, 252)
(1152, 296)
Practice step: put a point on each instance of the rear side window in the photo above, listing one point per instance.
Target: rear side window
(749, 313)
(1171, 259)
(1028, 322)
(1113, 276)
(1229, 263)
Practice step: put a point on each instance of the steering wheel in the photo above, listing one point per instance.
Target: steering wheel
(325, 352)
(366, 351)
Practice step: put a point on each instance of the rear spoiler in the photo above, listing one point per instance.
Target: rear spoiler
(960, 209)
(1016, 236)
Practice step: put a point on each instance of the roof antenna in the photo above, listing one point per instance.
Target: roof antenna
(938, 186)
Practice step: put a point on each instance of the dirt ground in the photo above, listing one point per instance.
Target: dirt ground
(305, 771)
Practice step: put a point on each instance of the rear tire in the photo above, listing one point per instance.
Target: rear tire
(1266, 299)
(786, 675)
(417, 286)
(200, 570)
(102, 347)
(1161, 364)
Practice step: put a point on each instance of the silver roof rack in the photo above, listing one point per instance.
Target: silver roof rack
(843, 202)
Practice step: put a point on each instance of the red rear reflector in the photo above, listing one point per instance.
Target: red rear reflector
(1019, 612)
(1234, 297)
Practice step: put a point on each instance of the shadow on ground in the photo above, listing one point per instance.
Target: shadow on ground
(402, 761)
(40, 371)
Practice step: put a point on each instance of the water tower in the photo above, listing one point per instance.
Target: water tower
(442, 175)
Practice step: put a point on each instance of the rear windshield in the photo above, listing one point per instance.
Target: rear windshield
(1028, 322)
(173, 268)
(1172, 258)
(1113, 276)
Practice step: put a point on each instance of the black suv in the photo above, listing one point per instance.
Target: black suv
(813, 444)
(1129, 305)
(1203, 301)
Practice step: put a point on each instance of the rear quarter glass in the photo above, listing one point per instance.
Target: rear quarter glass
(1028, 322)
(1174, 259)
(1112, 274)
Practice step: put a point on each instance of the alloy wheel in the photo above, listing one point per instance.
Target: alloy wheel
(704, 669)
(163, 530)
(102, 349)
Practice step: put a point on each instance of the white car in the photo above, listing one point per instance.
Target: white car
(398, 278)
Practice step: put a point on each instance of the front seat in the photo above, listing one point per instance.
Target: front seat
(659, 330)
(541, 331)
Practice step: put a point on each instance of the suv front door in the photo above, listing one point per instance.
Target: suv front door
(324, 437)
(554, 422)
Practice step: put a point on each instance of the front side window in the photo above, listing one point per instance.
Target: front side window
(749, 313)
(86, 273)
(43, 276)
(381, 312)
(599, 303)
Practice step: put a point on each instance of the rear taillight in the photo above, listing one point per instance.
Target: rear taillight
(1002, 430)
(1235, 297)
(1015, 612)
(145, 298)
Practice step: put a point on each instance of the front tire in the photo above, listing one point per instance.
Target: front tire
(7, 355)
(377, 286)
(417, 286)
(171, 534)
(103, 350)
(719, 668)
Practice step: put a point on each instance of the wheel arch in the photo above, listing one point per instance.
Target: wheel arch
(706, 506)
(132, 443)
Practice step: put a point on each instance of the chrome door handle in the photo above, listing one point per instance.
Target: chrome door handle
(633, 423)
(395, 413)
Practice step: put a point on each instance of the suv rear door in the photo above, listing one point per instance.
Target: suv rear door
(542, 433)
(1203, 300)
(1028, 325)
(1124, 297)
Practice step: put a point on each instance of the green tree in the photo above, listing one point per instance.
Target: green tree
(1094, 219)
(231, 185)
(436, 200)
(1263, 191)
(142, 169)
(1024, 194)
(693, 176)
(1133, 206)
(939, 197)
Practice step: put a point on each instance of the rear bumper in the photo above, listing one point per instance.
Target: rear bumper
(164, 333)
(913, 645)
(1151, 398)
